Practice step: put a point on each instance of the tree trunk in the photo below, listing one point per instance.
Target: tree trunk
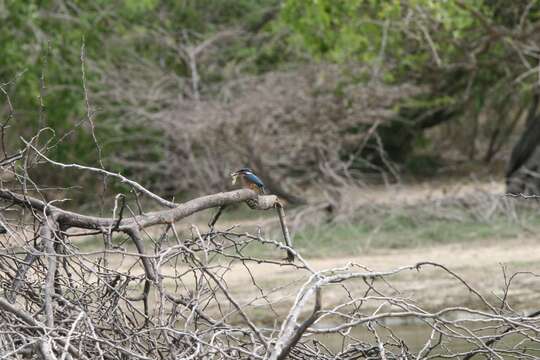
(522, 174)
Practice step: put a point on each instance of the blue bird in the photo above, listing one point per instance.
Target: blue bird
(249, 180)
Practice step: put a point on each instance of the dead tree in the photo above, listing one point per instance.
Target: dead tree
(151, 290)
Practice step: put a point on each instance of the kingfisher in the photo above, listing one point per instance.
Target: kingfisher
(249, 180)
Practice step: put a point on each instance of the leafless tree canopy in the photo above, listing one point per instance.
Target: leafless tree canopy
(288, 121)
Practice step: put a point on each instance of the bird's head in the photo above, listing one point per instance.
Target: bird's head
(242, 171)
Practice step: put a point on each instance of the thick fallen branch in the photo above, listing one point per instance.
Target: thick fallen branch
(59, 218)
(284, 346)
(71, 219)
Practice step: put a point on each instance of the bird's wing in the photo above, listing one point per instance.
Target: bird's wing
(254, 179)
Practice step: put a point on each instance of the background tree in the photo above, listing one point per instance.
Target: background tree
(458, 76)
(476, 62)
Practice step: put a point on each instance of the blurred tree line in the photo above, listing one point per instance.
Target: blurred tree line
(178, 93)
(41, 44)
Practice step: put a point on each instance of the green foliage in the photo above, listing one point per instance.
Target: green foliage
(438, 45)
(353, 30)
(40, 61)
(136, 7)
(337, 30)
(466, 55)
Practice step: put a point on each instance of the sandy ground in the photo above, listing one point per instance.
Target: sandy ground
(479, 263)
(410, 194)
